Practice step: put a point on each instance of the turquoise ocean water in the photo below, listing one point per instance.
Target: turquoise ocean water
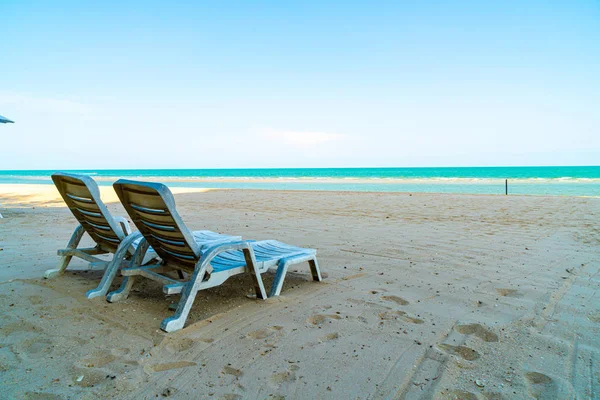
(565, 181)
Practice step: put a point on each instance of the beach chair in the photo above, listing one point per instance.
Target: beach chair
(151, 207)
(82, 196)
(112, 234)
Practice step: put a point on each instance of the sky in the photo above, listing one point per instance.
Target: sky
(221, 84)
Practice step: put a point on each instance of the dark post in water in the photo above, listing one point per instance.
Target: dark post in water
(506, 187)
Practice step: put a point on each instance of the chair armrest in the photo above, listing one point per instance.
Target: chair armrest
(124, 225)
(211, 252)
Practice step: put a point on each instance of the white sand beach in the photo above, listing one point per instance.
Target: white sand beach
(425, 296)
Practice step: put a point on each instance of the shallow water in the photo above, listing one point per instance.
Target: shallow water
(566, 181)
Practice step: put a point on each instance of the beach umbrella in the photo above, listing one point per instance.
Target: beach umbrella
(5, 120)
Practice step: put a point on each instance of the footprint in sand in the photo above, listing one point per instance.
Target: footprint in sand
(264, 333)
(20, 326)
(90, 377)
(331, 336)
(179, 345)
(541, 386)
(282, 377)
(463, 352)
(460, 395)
(395, 299)
(79, 340)
(35, 299)
(396, 315)
(105, 331)
(120, 351)
(509, 292)
(478, 330)
(320, 319)
(172, 365)
(232, 371)
(37, 346)
(99, 359)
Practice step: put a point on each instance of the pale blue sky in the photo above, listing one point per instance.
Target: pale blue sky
(299, 84)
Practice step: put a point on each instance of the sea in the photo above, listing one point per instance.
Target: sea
(555, 181)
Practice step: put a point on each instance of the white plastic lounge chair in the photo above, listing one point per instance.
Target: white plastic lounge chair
(82, 196)
(152, 209)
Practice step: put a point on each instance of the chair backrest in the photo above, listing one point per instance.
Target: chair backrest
(151, 207)
(82, 196)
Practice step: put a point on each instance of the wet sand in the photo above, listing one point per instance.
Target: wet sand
(426, 296)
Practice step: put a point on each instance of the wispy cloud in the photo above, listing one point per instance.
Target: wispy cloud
(303, 139)
(34, 103)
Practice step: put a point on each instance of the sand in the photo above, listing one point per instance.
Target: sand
(426, 296)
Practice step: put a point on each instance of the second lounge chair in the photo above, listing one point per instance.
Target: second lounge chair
(151, 207)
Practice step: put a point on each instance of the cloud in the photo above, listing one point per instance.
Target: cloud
(303, 139)
(39, 104)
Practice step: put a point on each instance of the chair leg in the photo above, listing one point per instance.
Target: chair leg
(65, 260)
(107, 279)
(60, 268)
(113, 267)
(282, 271)
(314, 270)
(123, 291)
(279, 278)
(177, 321)
(259, 287)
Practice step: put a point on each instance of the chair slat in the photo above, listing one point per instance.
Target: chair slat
(79, 198)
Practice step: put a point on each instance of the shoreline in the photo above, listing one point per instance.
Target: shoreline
(15, 194)
(23, 194)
